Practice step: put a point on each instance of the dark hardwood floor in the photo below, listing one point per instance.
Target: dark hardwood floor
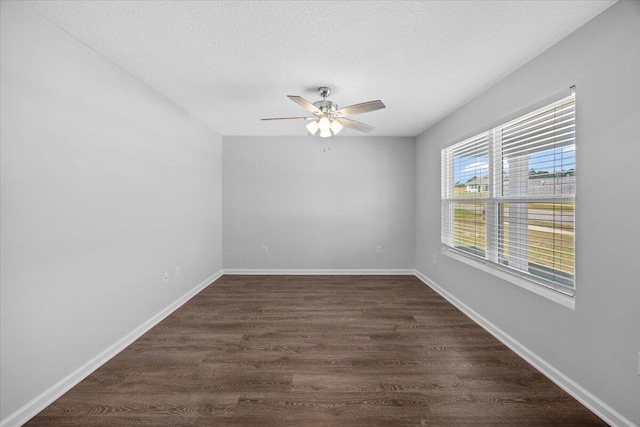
(316, 351)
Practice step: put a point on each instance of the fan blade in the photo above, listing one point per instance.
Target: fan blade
(290, 118)
(352, 124)
(365, 107)
(305, 104)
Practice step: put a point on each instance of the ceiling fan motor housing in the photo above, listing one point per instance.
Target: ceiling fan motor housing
(327, 107)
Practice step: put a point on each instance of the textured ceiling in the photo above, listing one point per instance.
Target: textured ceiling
(230, 63)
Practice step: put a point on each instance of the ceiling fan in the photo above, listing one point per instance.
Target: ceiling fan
(327, 118)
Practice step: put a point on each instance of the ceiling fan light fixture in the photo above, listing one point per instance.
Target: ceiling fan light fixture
(312, 127)
(336, 126)
(325, 133)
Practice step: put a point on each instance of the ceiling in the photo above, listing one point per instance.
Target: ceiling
(230, 63)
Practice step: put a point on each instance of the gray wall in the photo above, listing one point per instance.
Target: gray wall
(597, 344)
(105, 186)
(318, 209)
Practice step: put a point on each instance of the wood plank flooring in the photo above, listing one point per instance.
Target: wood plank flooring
(316, 351)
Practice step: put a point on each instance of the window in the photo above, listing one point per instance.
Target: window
(508, 197)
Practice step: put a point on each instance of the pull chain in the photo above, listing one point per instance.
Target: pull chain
(327, 147)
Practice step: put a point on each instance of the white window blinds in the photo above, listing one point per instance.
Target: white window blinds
(508, 196)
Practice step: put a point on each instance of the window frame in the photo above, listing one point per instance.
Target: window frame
(489, 262)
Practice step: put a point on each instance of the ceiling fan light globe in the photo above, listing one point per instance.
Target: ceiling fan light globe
(324, 124)
(325, 133)
(313, 127)
(336, 126)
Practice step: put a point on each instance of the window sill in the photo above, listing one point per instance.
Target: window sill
(555, 296)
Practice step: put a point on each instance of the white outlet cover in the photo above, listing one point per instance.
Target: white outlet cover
(177, 271)
(166, 277)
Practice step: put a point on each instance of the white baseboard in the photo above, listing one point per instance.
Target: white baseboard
(318, 272)
(582, 395)
(32, 408)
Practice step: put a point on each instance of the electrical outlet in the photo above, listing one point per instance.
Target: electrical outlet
(166, 277)
(434, 258)
(378, 249)
(177, 271)
(265, 249)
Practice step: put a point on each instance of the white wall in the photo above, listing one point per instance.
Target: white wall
(105, 186)
(315, 209)
(596, 345)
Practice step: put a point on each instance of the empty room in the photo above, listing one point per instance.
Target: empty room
(327, 213)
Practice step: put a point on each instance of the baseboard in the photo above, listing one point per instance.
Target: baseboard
(32, 408)
(323, 272)
(582, 395)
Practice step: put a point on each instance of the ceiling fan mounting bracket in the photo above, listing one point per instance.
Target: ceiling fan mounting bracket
(324, 91)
